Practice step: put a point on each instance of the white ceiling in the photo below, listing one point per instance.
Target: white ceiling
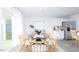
(48, 11)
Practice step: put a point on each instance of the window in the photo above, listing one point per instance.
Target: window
(8, 30)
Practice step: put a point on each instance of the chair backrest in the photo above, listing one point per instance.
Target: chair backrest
(22, 39)
(77, 33)
(73, 34)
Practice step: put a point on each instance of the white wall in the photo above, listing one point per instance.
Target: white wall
(17, 28)
(45, 23)
(76, 18)
(1, 30)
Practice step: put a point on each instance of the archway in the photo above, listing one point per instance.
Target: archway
(7, 27)
(11, 27)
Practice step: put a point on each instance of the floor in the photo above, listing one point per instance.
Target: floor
(62, 46)
(67, 46)
(15, 49)
(7, 45)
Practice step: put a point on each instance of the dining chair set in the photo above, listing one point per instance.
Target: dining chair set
(28, 44)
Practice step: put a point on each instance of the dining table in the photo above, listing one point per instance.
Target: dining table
(39, 43)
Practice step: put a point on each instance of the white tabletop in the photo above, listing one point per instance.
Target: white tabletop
(38, 36)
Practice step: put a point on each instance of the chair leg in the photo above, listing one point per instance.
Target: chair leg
(52, 49)
(72, 42)
(77, 43)
(29, 48)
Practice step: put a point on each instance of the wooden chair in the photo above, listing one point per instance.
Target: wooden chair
(51, 42)
(39, 46)
(30, 39)
(51, 46)
(74, 37)
(77, 40)
(28, 46)
(22, 39)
